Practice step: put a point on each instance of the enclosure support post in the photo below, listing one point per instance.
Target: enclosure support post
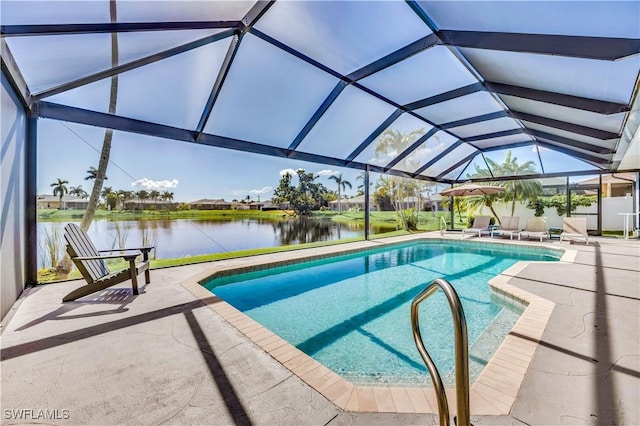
(568, 204)
(599, 195)
(31, 237)
(636, 205)
(451, 211)
(367, 207)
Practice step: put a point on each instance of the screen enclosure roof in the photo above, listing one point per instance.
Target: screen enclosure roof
(437, 90)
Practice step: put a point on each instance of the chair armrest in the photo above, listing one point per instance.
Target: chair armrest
(106, 256)
(143, 249)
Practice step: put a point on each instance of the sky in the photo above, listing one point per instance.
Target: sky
(67, 150)
(190, 171)
(267, 97)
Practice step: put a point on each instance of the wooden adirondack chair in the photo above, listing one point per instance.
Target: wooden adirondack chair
(90, 263)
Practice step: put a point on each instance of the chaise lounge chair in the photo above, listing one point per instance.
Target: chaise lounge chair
(91, 264)
(575, 228)
(509, 225)
(536, 227)
(480, 223)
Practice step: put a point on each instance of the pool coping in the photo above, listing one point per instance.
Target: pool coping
(493, 392)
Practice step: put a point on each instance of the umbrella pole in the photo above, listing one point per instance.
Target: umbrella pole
(452, 213)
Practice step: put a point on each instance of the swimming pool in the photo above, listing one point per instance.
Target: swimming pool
(351, 312)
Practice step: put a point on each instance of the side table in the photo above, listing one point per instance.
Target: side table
(554, 233)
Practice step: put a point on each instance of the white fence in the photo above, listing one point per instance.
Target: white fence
(611, 220)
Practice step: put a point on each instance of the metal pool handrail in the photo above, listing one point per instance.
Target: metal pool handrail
(443, 225)
(461, 353)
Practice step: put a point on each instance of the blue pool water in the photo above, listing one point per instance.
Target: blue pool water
(352, 312)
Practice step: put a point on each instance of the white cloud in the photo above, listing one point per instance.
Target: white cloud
(288, 171)
(244, 192)
(155, 184)
(261, 191)
(327, 172)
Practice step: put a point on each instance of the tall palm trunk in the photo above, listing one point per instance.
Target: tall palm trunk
(65, 264)
(498, 221)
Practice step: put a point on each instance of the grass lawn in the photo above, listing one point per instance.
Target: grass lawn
(384, 224)
(428, 221)
(49, 275)
(54, 215)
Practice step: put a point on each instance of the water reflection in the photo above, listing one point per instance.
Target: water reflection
(305, 230)
(180, 238)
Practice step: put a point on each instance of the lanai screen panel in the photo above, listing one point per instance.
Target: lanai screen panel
(518, 161)
(257, 91)
(450, 112)
(555, 162)
(476, 168)
(343, 35)
(426, 74)
(454, 159)
(350, 120)
(401, 135)
(325, 81)
(152, 93)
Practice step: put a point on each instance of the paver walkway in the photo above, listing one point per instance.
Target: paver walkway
(165, 358)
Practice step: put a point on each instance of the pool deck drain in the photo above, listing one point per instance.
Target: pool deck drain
(494, 391)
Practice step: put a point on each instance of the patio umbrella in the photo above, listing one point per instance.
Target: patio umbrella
(471, 189)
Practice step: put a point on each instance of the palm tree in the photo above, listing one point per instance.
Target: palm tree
(124, 196)
(142, 195)
(111, 198)
(459, 203)
(60, 189)
(154, 195)
(342, 185)
(476, 202)
(383, 194)
(392, 142)
(360, 187)
(517, 189)
(167, 196)
(105, 192)
(65, 265)
(92, 173)
(78, 191)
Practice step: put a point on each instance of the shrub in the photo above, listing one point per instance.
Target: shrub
(538, 206)
(559, 202)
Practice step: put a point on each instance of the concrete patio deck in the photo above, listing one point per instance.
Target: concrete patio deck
(165, 357)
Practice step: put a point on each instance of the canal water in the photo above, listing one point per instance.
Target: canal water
(183, 237)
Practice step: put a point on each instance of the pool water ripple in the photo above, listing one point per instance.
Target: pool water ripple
(351, 312)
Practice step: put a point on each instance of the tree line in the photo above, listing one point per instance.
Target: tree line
(110, 198)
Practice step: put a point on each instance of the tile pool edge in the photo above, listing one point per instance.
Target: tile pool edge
(493, 393)
(274, 260)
